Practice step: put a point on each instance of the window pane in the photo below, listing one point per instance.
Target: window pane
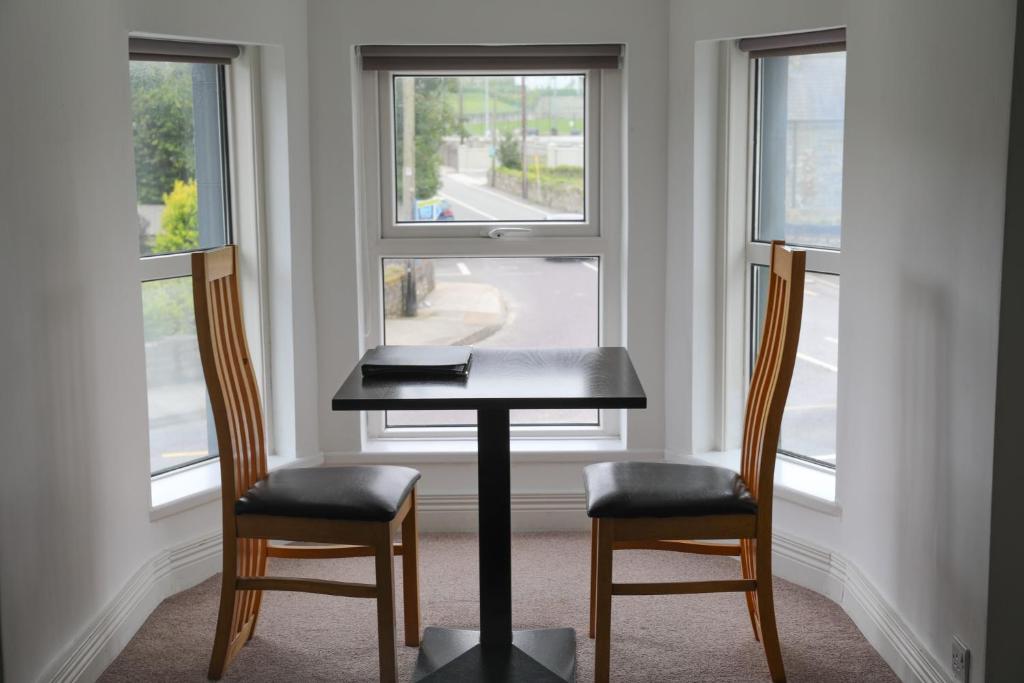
(177, 128)
(801, 149)
(180, 426)
(809, 423)
(502, 302)
(464, 149)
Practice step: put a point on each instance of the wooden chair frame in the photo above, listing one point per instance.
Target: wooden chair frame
(234, 398)
(766, 400)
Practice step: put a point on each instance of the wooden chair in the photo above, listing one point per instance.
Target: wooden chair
(668, 506)
(357, 509)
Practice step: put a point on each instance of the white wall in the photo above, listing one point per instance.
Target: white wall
(926, 132)
(335, 28)
(74, 496)
(923, 204)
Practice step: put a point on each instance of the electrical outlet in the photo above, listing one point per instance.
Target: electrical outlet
(961, 661)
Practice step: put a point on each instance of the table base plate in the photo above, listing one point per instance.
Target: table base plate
(537, 656)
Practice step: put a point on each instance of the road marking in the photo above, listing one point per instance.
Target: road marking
(589, 264)
(463, 268)
(183, 454)
(500, 195)
(832, 339)
(445, 195)
(814, 361)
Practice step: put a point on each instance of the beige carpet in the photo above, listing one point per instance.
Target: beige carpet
(659, 638)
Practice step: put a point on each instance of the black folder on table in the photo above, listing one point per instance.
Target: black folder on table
(417, 361)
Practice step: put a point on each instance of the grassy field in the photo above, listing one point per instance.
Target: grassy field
(555, 111)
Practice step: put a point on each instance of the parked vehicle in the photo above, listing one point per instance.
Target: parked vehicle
(433, 209)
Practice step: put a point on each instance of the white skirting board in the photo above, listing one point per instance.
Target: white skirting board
(796, 560)
(170, 571)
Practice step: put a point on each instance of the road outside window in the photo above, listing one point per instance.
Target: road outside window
(510, 302)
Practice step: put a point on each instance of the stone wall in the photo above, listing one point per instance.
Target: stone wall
(396, 285)
(559, 197)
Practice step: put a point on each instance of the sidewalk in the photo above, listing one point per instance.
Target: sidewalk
(454, 314)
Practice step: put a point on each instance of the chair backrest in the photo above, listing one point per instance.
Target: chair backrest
(773, 370)
(230, 379)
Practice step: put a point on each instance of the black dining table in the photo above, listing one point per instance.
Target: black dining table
(500, 380)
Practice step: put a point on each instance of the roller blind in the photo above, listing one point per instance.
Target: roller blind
(830, 40)
(153, 50)
(488, 57)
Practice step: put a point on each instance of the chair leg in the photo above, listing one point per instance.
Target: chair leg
(385, 561)
(747, 567)
(593, 574)
(234, 620)
(410, 576)
(766, 609)
(603, 609)
(260, 569)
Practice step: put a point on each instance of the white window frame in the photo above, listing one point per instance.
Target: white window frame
(600, 235)
(738, 251)
(245, 228)
(391, 227)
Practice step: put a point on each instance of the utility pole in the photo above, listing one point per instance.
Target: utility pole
(522, 151)
(462, 117)
(409, 185)
(491, 131)
(409, 145)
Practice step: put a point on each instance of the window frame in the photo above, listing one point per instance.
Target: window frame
(600, 235)
(740, 252)
(241, 159)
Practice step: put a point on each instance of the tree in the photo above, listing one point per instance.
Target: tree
(435, 117)
(509, 155)
(162, 127)
(179, 223)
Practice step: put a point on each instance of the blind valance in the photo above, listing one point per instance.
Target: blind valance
(155, 50)
(488, 57)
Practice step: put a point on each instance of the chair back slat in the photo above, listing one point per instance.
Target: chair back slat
(230, 377)
(773, 371)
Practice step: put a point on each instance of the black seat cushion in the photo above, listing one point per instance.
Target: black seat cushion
(363, 493)
(663, 489)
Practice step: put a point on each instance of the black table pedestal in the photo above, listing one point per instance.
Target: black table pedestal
(495, 653)
(540, 656)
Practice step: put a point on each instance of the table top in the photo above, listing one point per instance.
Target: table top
(507, 378)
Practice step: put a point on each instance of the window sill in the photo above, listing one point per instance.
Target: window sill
(797, 482)
(437, 451)
(191, 487)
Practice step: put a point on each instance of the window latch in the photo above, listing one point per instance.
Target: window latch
(502, 231)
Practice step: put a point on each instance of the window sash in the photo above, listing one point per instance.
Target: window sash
(739, 251)
(758, 252)
(381, 170)
(211, 170)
